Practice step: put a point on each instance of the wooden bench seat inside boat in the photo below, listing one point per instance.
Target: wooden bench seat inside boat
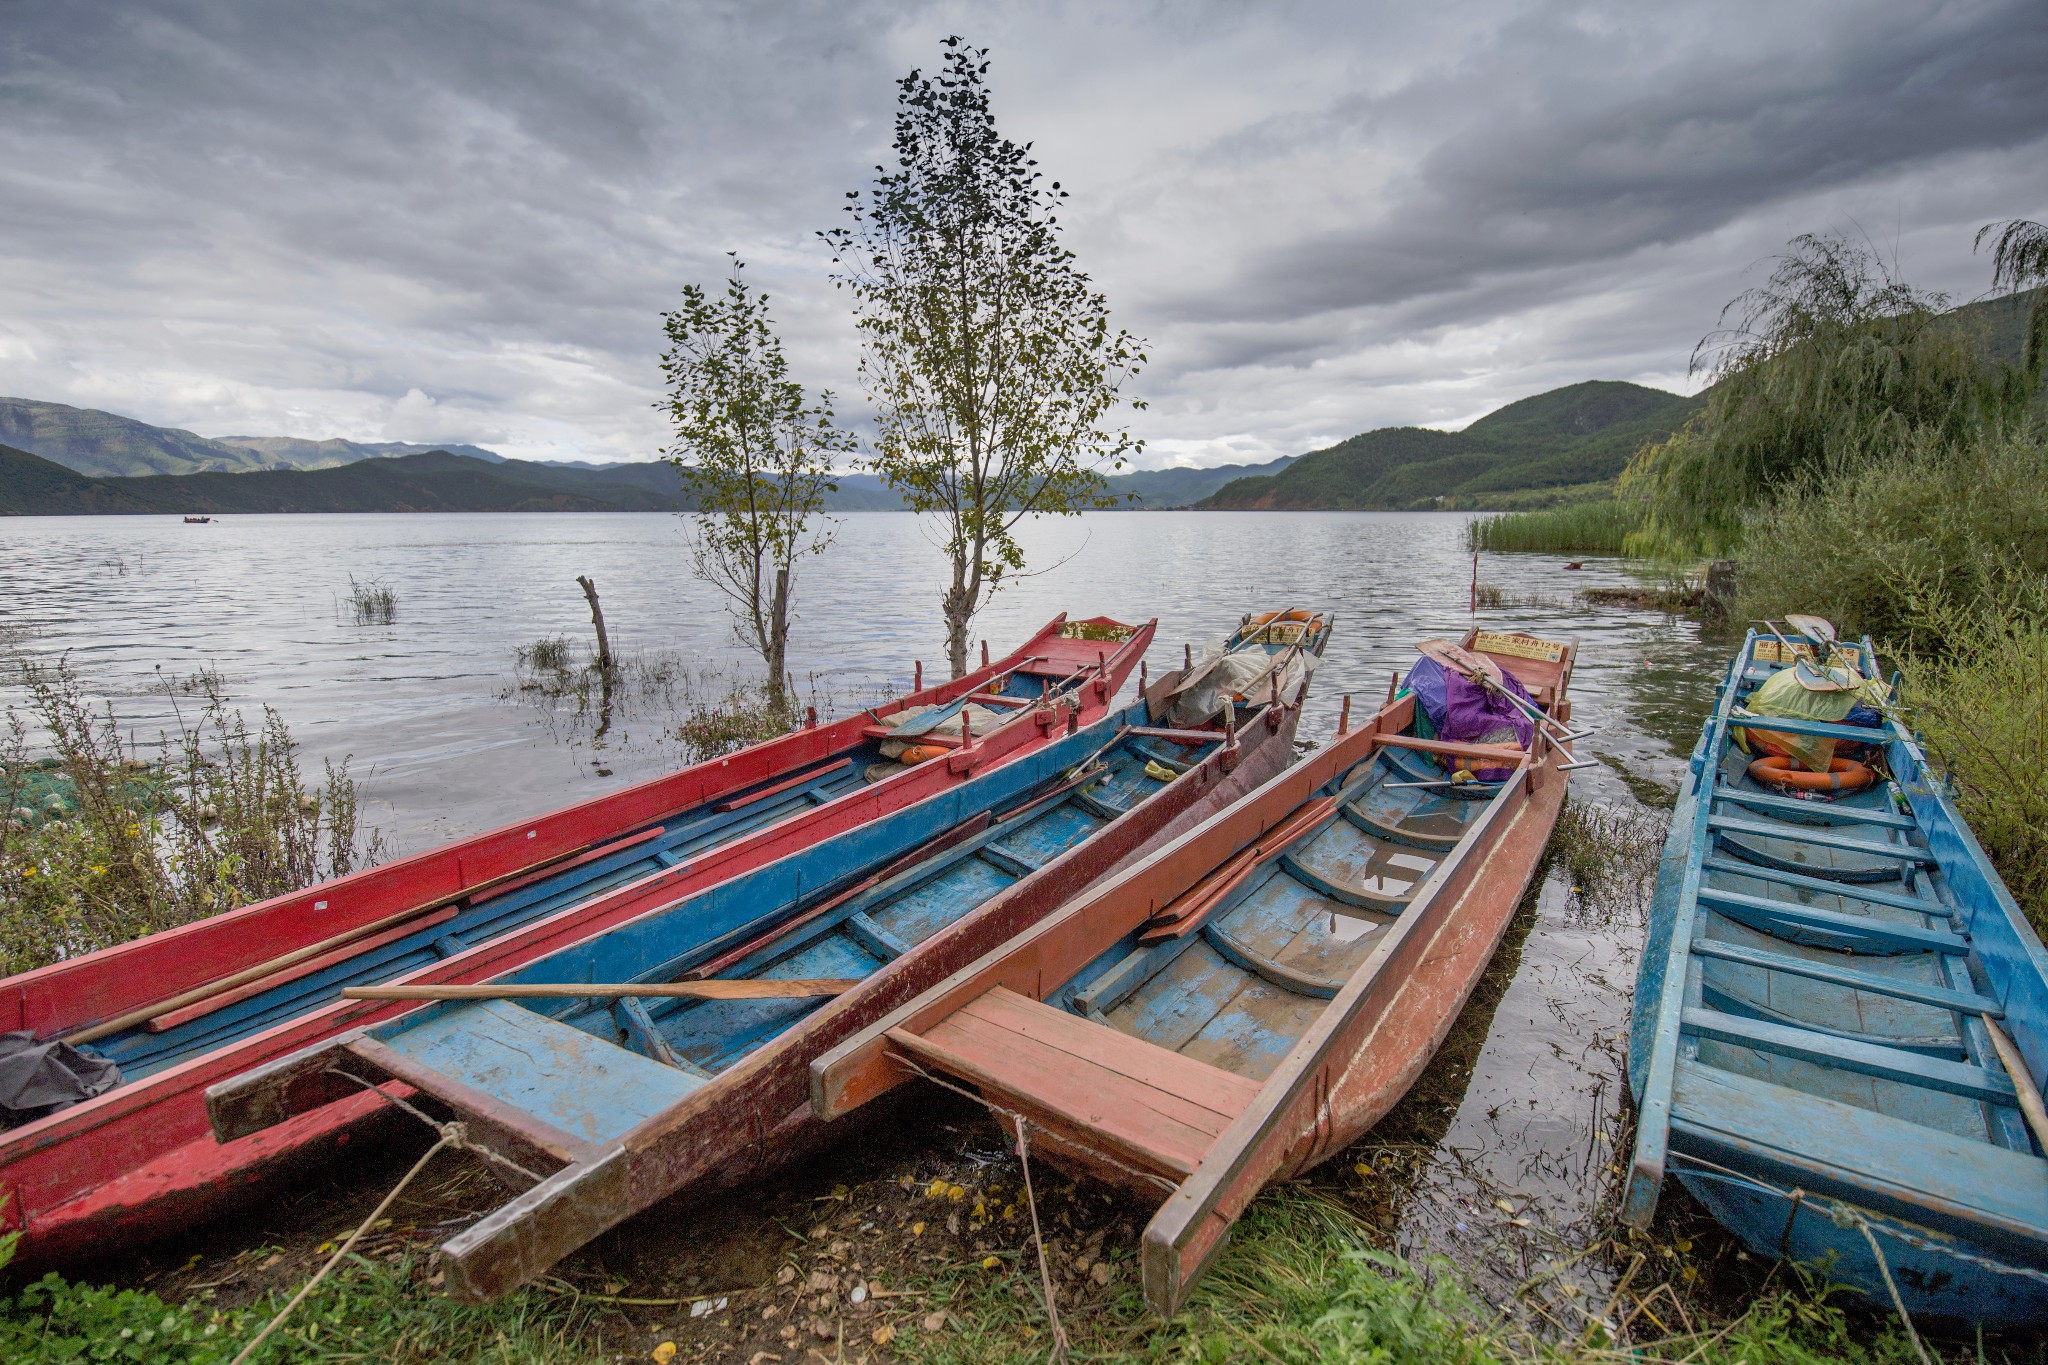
(563, 1078)
(1139, 1103)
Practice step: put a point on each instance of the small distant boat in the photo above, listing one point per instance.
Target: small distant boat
(619, 1100)
(184, 1008)
(1842, 1018)
(1246, 1001)
(197, 521)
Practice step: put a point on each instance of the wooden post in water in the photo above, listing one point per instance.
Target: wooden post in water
(1475, 580)
(917, 675)
(984, 654)
(1344, 716)
(604, 643)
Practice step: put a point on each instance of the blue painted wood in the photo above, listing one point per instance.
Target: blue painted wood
(562, 1076)
(1811, 834)
(1818, 812)
(1854, 734)
(1784, 1071)
(1967, 1002)
(1763, 911)
(1865, 1059)
(1861, 891)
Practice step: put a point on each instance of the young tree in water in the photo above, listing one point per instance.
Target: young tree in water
(991, 360)
(754, 453)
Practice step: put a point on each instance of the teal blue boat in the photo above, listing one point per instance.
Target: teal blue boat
(1841, 1024)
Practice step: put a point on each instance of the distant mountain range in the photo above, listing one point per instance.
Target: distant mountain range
(1580, 434)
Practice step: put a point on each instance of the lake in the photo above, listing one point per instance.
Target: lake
(430, 709)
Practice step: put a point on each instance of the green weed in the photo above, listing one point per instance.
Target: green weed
(1592, 528)
(100, 845)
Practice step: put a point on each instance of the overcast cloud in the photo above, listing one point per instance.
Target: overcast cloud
(460, 221)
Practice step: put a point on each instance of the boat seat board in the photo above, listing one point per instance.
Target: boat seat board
(1201, 1003)
(1145, 1099)
(1757, 964)
(1869, 1153)
(1345, 862)
(568, 1079)
(1300, 934)
(1817, 837)
(1828, 894)
(1813, 812)
(924, 910)
(1867, 1059)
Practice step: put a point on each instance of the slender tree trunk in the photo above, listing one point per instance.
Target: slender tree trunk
(605, 662)
(958, 605)
(775, 655)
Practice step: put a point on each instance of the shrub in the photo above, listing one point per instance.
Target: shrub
(1894, 549)
(100, 846)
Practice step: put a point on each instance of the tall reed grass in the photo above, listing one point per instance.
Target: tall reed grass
(1590, 528)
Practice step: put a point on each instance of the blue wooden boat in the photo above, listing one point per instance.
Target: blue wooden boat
(1840, 1020)
(617, 1099)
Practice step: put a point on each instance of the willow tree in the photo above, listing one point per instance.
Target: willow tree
(2019, 260)
(990, 358)
(1831, 364)
(754, 453)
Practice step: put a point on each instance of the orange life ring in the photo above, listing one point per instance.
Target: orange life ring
(920, 753)
(1843, 775)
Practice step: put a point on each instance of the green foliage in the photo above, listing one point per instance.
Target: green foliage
(1979, 697)
(2019, 258)
(991, 360)
(744, 715)
(98, 846)
(367, 1312)
(1935, 524)
(1832, 365)
(1577, 435)
(754, 453)
(373, 603)
(1593, 528)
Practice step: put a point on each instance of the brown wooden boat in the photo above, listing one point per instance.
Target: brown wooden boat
(613, 1103)
(1243, 1003)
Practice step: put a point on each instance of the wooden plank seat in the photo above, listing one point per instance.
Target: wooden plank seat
(567, 1080)
(1138, 1103)
(1810, 834)
(1813, 812)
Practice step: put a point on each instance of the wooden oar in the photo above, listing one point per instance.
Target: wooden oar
(761, 989)
(221, 985)
(2022, 1080)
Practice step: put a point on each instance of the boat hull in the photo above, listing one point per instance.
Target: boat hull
(140, 1162)
(1813, 1051)
(1241, 1004)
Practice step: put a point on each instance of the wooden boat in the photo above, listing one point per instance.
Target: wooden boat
(1244, 1002)
(1840, 1029)
(614, 1104)
(182, 1009)
(197, 521)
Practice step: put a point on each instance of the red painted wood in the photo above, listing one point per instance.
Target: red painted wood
(156, 1128)
(799, 780)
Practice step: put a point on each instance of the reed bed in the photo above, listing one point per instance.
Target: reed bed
(1591, 528)
(373, 603)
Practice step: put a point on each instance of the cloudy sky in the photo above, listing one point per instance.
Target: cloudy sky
(459, 220)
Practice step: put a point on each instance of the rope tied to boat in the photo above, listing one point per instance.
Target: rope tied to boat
(1052, 1309)
(1844, 1215)
(452, 1135)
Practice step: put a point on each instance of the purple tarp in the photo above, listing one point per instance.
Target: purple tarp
(1466, 713)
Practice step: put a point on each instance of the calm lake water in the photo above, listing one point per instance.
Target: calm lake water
(430, 711)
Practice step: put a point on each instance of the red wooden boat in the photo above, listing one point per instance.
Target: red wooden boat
(191, 1006)
(611, 1107)
(1245, 1002)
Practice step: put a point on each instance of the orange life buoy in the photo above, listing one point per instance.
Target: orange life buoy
(1843, 775)
(920, 753)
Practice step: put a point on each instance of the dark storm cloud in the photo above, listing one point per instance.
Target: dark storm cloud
(461, 220)
(1541, 181)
